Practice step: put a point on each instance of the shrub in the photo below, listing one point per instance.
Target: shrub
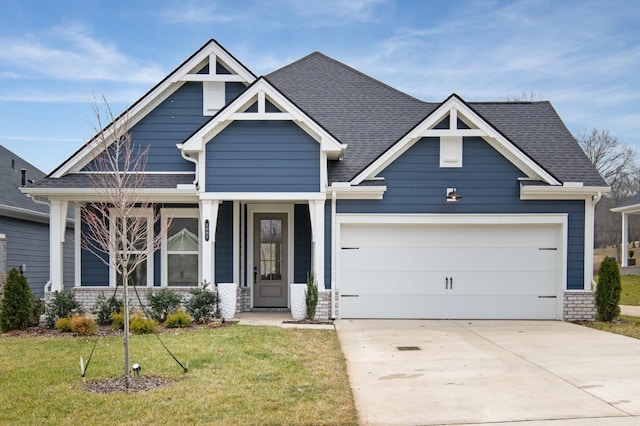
(82, 325)
(203, 304)
(64, 324)
(162, 303)
(139, 324)
(608, 290)
(38, 309)
(17, 303)
(63, 304)
(311, 296)
(105, 307)
(117, 320)
(178, 319)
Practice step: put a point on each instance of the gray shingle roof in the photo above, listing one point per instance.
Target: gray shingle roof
(11, 179)
(83, 180)
(370, 117)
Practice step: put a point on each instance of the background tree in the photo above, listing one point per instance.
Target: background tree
(616, 163)
(116, 232)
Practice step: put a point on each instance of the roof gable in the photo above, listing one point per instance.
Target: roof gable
(11, 198)
(262, 101)
(456, 110)
(208, 57)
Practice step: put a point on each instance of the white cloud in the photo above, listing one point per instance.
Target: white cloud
(337, 12)
(198, 11)
(70, 53)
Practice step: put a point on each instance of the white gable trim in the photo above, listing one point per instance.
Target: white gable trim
(260, 92)
(212, 51)
(454, 107)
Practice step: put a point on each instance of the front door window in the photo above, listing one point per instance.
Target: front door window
(270, 260)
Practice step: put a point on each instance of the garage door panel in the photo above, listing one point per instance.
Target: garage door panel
(450, 271)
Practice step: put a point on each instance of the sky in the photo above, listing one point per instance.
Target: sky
(57, 57)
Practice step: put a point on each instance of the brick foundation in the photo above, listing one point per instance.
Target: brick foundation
(87, 295)
(579, 306)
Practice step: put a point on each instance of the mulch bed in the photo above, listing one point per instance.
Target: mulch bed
(136, 384)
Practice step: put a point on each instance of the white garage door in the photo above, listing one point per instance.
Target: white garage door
(450, 271)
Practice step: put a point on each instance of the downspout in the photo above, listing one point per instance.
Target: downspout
(44, 202)
(193, 160)
(333, 255)
(596, 199)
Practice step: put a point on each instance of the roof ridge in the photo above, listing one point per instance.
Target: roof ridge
(348, 68)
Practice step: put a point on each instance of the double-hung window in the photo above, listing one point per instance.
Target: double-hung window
(180, 248)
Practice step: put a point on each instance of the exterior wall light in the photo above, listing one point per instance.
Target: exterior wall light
(452, 195)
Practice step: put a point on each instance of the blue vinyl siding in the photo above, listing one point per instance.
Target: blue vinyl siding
(28, 244)
(487, 182)
(263, 156)
(301, 243)
(224, 244)
(94, 271)
(171, 123)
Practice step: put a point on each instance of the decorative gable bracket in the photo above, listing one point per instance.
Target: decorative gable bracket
(451, 137)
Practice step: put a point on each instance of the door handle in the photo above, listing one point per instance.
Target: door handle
(255, 274)
(451, 283)
(446, 286)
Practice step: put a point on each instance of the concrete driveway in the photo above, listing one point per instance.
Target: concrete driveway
(483, 372)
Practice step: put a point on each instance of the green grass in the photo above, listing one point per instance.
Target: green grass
(630, 294)
(238, 375)
(627, 326)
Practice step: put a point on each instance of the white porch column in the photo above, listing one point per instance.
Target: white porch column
(316, 212)
(208, 221)
(57, 228)
(625, 238)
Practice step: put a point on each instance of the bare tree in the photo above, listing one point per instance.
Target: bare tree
(121, 223)
(615, 161)
(530, 96)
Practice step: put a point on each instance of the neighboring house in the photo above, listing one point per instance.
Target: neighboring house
(402, 208)
(24, 225)
(626, 208)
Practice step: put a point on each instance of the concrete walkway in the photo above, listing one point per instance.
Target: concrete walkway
(488, 372)
(632, 311)
(276, 319)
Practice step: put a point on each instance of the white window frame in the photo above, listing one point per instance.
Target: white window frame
(148, 214)
(171, 213)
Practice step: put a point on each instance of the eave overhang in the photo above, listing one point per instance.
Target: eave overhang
(561, 192)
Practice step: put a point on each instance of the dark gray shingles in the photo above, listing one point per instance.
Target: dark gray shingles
(536, 129)
(370, 117)
(11, 180)
(356, 109)
(84, 180)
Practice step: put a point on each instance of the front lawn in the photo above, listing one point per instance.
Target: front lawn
(625, 325)
(238, 375)
(630, 294)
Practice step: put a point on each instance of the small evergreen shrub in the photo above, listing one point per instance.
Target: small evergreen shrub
(203, 304)
(311, 296)
(83, 326)
(105, 307)
(17, 303)
(38, 309)
(139, 324)
(178, 319)
(162, 303)
(117, 320)
(63, 304)
(64, 324)
(608, 291)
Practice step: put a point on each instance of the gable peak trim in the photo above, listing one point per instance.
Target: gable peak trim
(455, 107)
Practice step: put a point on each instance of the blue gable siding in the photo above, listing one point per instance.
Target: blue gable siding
(171, 123)
(263, 156)
(224, 244)
(301, 243)
(487, 182)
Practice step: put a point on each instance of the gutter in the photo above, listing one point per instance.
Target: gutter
(193, 160)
